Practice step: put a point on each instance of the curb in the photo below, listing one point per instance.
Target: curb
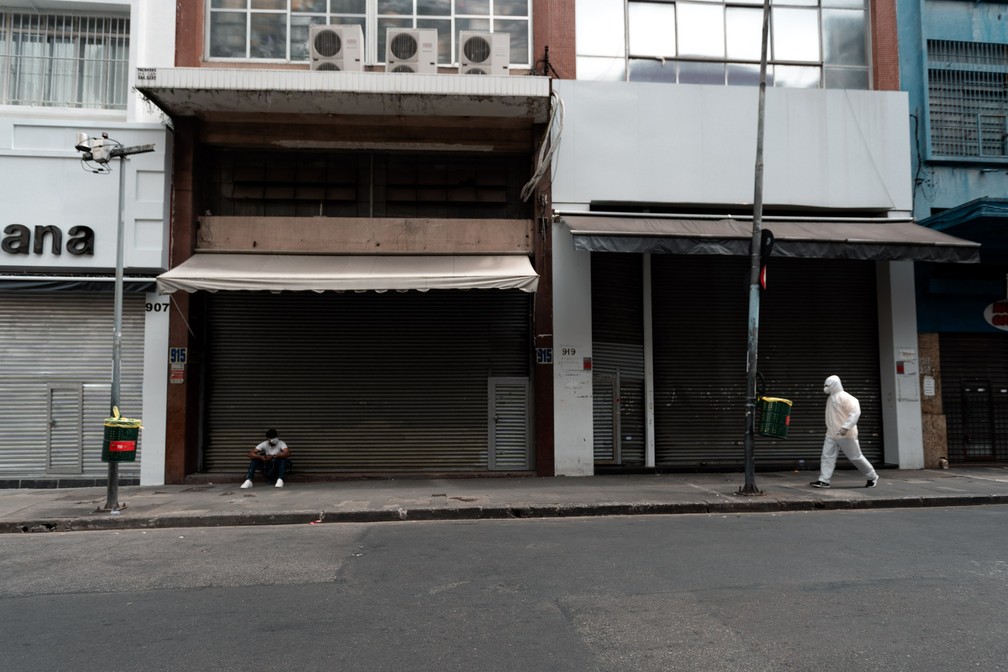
(754, 505)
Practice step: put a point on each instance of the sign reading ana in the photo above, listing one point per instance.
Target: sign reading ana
(19, 239)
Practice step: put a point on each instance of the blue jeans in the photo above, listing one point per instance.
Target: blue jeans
(272, 470)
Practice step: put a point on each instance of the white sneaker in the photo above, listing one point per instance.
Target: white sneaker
(279, 483)
(247, 484)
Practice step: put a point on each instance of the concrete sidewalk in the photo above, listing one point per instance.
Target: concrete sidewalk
(303, 503)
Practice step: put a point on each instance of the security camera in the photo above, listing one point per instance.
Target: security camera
(82, 143)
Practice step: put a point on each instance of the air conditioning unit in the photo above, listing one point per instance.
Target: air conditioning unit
(411, 50)
(338, 47)
(484, 53)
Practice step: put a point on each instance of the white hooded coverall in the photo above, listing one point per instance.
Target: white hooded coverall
(842, 413)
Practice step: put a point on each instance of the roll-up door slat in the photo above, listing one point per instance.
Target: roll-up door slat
(817, 318)
(63, 340)
(360, 382)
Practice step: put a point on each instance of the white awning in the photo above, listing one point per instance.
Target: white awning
(321, 273)
(874, 239)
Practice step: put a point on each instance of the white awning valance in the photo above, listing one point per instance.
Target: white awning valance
(321, 273)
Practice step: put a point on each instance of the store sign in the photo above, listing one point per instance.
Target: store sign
(19, 239)
(996, 314)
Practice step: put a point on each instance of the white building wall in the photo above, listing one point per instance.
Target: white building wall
(661, 143)
(44, 183)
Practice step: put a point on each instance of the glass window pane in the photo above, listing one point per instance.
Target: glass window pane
(652, 71)
(652, 29)
(518, 29)
(229, 4)
(443, 28)
(691, 72)
(744, 33)
(480, 25)
(598, 28)
(434, 8)
(511, 8)
(299, 35)
(795, 34)
(700, 30)
(746, 74)
(269, 36)
(227, 35)
(796, 76)
(601, 69)
(472, 7)
(846, 78)
(844, 37)
(347, 6)
(317, 6)
(846, 4)
(269, 4)
(807, 3)
(396, 7)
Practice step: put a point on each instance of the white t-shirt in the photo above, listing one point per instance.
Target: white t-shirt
(266, 449)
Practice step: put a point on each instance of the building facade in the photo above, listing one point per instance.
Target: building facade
(954, 60)
(653, 190)
(68, 69)
(356, 256)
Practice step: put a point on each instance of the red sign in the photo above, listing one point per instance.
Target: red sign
(122, 446)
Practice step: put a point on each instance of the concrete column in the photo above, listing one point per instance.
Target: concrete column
(899, 362)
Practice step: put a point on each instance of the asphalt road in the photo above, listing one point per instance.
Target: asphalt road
(909, 589)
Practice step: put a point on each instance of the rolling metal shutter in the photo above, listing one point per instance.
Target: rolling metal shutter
(56, 382)
(618, 355)
(360, 382)
(974, 371)
(818, 317)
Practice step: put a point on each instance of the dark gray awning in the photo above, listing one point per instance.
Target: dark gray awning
(862, 239)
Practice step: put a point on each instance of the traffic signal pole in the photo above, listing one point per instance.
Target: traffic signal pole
(749, 488)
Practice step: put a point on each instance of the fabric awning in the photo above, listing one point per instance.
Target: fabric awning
(875, 239)
(320, 273)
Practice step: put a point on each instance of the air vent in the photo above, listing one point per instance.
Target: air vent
(336, 47)
(411, 50)
(484, 53)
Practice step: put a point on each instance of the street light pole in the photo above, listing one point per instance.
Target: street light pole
(754, 272)
(100, 151)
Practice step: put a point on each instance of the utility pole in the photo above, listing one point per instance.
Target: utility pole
(754, 272)
(96, 154)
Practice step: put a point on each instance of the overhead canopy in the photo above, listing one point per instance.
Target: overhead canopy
(320, 273)
(984, 220)
(863, 239)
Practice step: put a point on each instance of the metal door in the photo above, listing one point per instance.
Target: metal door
(508, 424)
(978, 423)
(606, 418)
(65, 428)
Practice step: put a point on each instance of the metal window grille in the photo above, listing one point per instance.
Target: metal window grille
(57, 60)
(968, 94)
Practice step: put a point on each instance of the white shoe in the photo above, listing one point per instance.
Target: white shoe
(247, 484)
(279, 483)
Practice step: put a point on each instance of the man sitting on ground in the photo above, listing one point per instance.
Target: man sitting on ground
(271, 456)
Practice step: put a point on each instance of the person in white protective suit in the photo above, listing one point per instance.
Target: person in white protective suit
(842, 413)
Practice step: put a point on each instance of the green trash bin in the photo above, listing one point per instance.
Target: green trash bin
(121, 436)
(775, 417)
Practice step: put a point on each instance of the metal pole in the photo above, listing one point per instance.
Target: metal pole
(112, 493)
(754, 250)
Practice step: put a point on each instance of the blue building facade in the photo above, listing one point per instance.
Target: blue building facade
(954, 67)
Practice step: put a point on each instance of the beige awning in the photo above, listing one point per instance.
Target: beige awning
(321, 273)
(864, 239)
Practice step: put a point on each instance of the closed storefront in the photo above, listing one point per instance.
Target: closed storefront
(54, 391)
(370, 381)
(818, 317)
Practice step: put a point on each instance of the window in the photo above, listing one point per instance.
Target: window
(61, 60)
(812, 43)
(968, 99)
(277, 30)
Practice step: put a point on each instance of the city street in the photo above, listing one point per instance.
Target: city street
(909, 589)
